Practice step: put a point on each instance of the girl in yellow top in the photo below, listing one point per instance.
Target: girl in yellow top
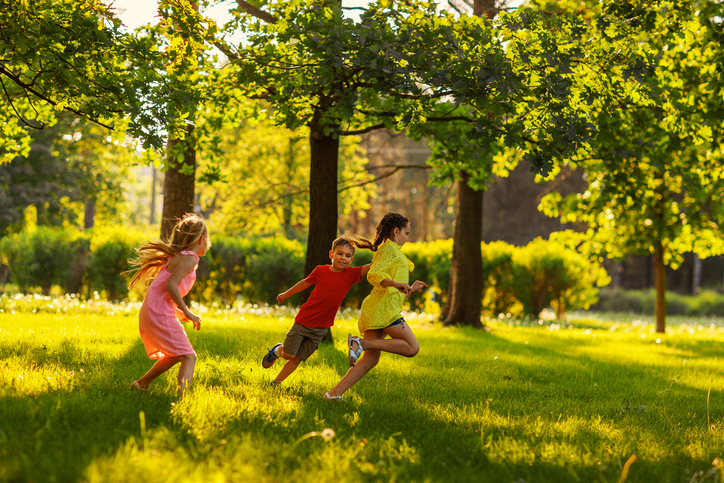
(381, 309)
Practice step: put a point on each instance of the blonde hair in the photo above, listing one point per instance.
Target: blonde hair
(152, 256)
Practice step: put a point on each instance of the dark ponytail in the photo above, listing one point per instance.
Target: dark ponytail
(386, 226)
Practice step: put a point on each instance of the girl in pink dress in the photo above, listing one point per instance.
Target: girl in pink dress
(172, 266)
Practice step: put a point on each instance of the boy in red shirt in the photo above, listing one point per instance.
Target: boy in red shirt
(332, 282)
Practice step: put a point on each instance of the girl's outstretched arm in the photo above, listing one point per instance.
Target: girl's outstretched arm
(298, 287)
(402, 287)
(185, 266)
(417, 287)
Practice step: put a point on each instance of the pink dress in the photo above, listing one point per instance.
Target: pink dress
(161, 331)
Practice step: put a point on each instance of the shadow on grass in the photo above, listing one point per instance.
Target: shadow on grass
(54, 433)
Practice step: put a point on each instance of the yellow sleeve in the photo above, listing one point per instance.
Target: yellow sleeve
(383, 260)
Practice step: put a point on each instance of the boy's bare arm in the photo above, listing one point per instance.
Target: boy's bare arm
(365, 269)
(298, 287)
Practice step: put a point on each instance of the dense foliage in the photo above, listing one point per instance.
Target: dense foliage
(519, 280)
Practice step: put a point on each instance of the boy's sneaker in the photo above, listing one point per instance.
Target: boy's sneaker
(268, 360)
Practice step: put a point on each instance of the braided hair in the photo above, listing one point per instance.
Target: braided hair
(386, 226)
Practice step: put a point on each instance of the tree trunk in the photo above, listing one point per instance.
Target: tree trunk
(180, 172)
(322, 202)
(696, 275)
(466, 272)
(89, 215)
(152, 219)
(287, 202)
(660, 276)
(178, 188)
(465, 294)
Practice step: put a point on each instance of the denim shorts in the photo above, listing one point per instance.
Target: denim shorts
(399, 321)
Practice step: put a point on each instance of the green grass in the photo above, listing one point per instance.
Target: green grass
(535, 403)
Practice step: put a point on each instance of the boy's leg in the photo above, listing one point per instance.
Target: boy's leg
(306, 346)
(290, 366)
(288, 348)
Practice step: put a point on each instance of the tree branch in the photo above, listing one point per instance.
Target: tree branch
(363, 131)
(231, 55)
(16, 111)
(256, 12)
(20, 83)
(386, 175)
(339, 190)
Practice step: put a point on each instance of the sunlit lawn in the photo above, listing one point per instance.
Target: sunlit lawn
(521, 403)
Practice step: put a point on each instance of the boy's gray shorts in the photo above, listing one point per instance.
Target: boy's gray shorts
(302, 341)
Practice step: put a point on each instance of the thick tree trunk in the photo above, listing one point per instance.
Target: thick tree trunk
(178, 188)
(465, 293)
(466, 276)
(660, 276)
(180, 172)
(322, 202)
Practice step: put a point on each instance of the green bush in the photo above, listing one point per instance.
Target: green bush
(548, 273)
(525, 279)
(706, 303)
(273, 266)
(253, 269)
(110, 248)
(76, 280)
(499, 278)
(39, 258)
(619, 300)
(221, 272)
(432, 265)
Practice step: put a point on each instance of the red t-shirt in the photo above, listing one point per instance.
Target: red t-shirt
(329, 291)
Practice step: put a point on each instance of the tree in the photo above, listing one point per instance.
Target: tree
(69, 167)
(655, 177)
(466, 269)
(389, 70)
(74, 56)
(181, 26)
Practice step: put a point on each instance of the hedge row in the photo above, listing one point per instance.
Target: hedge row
(706, 303)
(520, 280)
(77, 261)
